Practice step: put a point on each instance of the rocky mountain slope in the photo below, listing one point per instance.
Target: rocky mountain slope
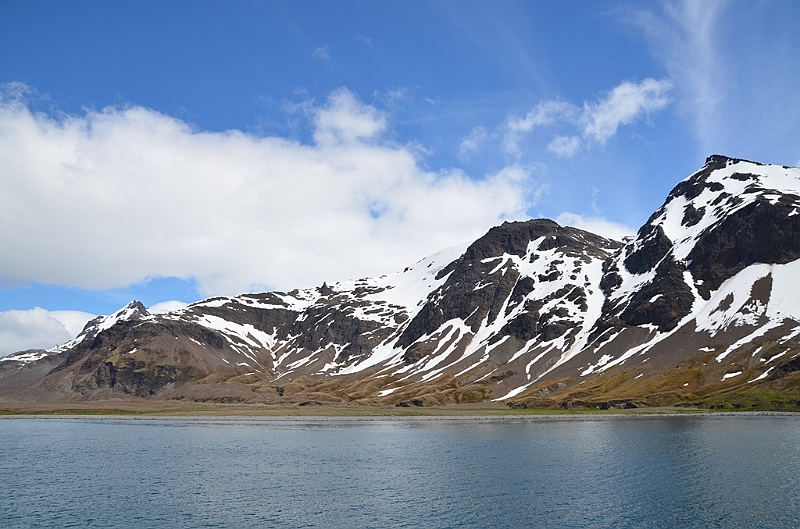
(704, 302)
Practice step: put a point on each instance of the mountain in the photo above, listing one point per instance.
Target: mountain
(701, 307)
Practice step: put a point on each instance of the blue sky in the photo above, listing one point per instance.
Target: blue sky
(175, 150)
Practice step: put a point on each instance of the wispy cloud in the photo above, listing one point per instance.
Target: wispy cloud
(564, 146)
(544, 114)
(112, 197)
(472, 143)
(322, 52)
(684, 37)
(595, 121)
(626, 103)
(367, 41)
(395, 97)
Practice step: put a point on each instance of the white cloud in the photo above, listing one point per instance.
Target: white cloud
(397, 95)
(30, 329)
(544, 114)
(472, 143)
(626, 103)
(346, 120)
(598, 225)
(73, 320)
(598, 121)
(564, 146)
(166, 306)
(113, 197)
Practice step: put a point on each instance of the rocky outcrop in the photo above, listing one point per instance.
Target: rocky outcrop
(765, 231)
(484, 282)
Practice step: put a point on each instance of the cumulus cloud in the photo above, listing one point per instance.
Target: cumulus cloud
(30, 329)
(595, 121)
(598, 225)
(72, 320)
(38, 328)
(113, 197)
(346, 120)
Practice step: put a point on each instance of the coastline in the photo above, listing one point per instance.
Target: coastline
(435, 416)
(293, 412)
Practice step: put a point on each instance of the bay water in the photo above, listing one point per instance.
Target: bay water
(688, 471)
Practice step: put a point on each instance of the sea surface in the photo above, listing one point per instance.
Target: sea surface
(718, 471)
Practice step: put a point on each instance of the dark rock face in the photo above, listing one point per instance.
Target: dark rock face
(274, 319)
(105, 362)
(692, 215)
(409, 403)
(547, 325)
(761, 232)
(514, 238)
(663, 302)
(325, 325)
(332, 320)
(618, 405)
(140, 378)
(472, 294)
(764, 231)
(781, 371)
(524, 327)
(652, 251)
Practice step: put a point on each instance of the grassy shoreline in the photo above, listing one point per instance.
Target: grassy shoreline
(345, 412)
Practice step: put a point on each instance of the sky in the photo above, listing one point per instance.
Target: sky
(171, 151)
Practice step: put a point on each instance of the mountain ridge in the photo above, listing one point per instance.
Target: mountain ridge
(700, 303)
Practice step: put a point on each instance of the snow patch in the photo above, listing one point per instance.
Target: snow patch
(762, 376)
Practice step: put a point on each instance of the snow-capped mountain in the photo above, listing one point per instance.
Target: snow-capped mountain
(710, 284)
(705, 299)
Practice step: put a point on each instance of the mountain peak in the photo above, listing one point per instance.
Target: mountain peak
(718, 161)
(703, 299)
(134, 310)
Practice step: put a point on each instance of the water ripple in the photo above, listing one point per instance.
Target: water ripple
(663, 472)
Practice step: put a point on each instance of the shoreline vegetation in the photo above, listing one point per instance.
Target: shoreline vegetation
(256, 412)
